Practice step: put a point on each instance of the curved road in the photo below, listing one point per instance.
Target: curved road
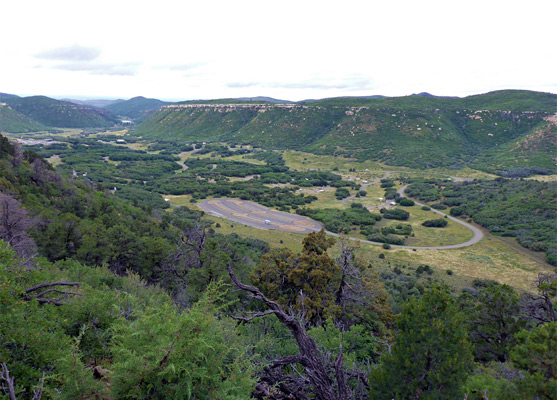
(258, 216)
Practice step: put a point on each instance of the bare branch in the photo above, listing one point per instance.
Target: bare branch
(5, 375)
(253, 316)
(50, 284)
(309, 357)
(38, 393)
(50, 291)
(287, 360)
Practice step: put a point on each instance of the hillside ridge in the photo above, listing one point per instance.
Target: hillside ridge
(415, 131)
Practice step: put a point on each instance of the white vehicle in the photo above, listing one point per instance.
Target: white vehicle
(267, 222)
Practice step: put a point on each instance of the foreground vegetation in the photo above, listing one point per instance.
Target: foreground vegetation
(190, 310)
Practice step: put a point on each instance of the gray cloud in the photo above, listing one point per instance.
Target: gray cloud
(126, 69)
(74, 53)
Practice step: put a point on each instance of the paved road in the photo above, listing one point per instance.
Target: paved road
(256, 215)
(478, 235)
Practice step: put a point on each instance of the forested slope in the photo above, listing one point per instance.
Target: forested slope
(414, 131)
(62, 114)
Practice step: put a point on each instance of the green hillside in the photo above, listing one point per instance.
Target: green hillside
(7, 96)
(15, 122)
(61, 114)
(137, 108)
(416, 131)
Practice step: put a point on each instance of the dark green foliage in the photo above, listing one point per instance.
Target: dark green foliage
(431, 356)
(423, 191)
(515, 208)
(493, 319)
(435, 223)
(424, 269)
(398, 229)
(171, 147)
(109, 323)
(395, 213)
(341, 193)
(403, 201)
(6, 148)
(342, 221)
(162, 354)
(387, 183)
(536, 355)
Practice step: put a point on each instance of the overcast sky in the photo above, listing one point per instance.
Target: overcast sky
(293, 50)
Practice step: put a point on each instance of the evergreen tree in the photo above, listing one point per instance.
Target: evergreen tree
(431, 356)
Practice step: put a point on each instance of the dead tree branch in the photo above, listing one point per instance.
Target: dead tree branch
(309, 357)
(45, 300)
(5, 375)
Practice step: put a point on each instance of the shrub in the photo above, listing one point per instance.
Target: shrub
(435, 223)
(386, 246)
(405, 202)
(396, 214)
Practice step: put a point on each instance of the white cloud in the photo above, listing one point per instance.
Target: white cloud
(70, 53)
(289, 49)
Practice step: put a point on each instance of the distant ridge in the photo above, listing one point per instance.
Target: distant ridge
(62, 114)
(265, 99)
(7, 96)
(100, 103)
(516, 127)
(137, 108)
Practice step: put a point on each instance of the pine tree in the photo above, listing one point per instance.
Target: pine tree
(431, 355)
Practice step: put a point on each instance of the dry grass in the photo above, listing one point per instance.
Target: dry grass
(54, 160)
(276, 239)
(544, 178)
(180, 200)
(492, 258)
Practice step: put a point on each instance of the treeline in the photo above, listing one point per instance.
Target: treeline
(143, 177)
(524, 209)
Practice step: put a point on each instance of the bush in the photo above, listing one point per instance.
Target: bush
(342, 193)
(435, 223)
(386, 246)
(396, 214)
(405, 202)
(439, 206)
(426, 208)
